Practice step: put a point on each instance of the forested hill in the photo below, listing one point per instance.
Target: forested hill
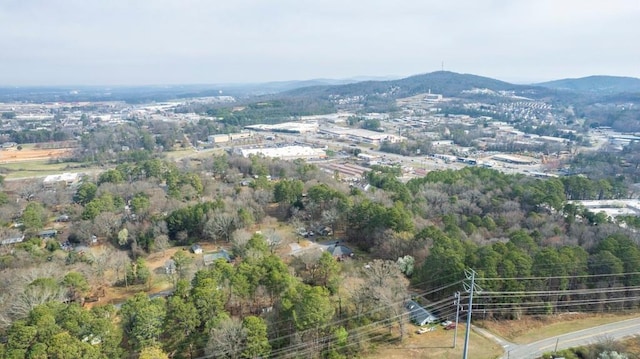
(596, 84)
(441, 82)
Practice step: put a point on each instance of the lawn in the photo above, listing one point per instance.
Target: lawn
(529, 330)
(437, 344)
(40, 168)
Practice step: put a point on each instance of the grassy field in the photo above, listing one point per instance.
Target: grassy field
(437, 344)
(529, 330)
(38, 168)
(23, 166)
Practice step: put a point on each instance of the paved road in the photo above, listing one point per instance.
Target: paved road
(588, 336)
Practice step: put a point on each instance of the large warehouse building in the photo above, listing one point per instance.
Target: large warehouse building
(360, 135)
(288, 127)
(286, 153)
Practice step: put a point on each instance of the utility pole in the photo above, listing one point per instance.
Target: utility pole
(456, 302)
(469, 288)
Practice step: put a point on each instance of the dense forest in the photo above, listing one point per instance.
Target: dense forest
(534, 252)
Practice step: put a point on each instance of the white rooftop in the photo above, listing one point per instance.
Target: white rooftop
(286, 152)
(64, 177)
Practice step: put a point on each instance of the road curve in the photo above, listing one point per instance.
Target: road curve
(617, 330)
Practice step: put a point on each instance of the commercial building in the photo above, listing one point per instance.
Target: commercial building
(285, 153)
(288, 127)
(224, 138)
(612, 208)
(66, 178)
(346, 171)
(519, 160)
(360, 135)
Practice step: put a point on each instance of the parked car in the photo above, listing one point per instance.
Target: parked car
(450, 326)
(446, 323)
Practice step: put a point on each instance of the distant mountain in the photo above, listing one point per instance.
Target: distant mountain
(147, 93)
(440, 82)
(252, 89)
(596, 84)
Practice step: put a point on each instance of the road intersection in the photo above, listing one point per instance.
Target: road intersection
(615, 331)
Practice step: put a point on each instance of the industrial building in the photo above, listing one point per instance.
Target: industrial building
(346, 171)
(66, 178)
(519, 160)
(288, 127)
(612, 208)
(285, 153)
(223, 138)
(360, 135)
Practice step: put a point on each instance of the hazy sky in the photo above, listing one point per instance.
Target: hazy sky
(111, 42)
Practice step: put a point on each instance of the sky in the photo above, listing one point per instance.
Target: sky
(143, 42)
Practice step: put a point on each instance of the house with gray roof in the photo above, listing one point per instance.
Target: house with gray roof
(339, 251)
(12, 240)
(210, 258)
(419, 315)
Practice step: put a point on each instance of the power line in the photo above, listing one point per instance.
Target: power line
(485, 301)
(470, 288)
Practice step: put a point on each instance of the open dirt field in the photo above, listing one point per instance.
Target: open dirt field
(11, 155)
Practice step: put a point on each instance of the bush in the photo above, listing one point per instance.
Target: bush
(53, 245)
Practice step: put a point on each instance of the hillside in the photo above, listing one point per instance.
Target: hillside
(596, 84)
(442, 82)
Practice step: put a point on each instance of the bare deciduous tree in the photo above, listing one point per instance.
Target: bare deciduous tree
(385, 286)
(161, 243)
(29, 189)
(220, 226)
(226, 341)
(106, 224)
(274, 240)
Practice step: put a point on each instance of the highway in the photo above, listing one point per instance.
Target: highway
(616, 331)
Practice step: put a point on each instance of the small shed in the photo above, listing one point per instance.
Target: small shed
(196, 249)
(419, 315)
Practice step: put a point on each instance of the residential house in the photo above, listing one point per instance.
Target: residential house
(12, 240)
(49, 233)
(419, 315)
(339, 251)
(210, 258)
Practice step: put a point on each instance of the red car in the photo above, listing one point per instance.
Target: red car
(450, 326)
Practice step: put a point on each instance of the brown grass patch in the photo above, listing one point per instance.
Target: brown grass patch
(437, 344)
(11, 155)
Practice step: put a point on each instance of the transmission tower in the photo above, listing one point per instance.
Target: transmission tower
(470, 287)
(456, 302)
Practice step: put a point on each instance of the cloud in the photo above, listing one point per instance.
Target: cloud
(200, 41)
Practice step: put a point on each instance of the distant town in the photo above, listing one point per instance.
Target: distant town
(336, 141)
(339, 221)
